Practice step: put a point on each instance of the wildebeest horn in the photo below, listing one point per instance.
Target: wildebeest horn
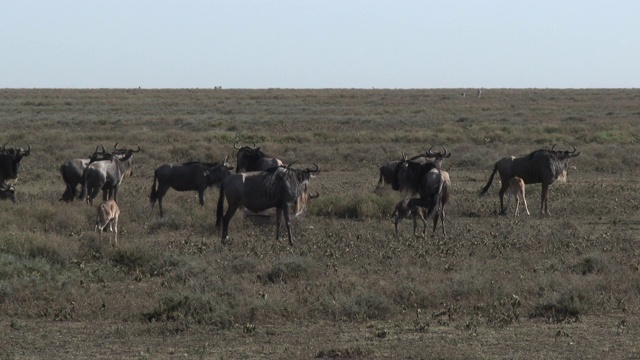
(573, 153)
(115, 147)
(404, 156)
(235, 143)
(4, 147)
(553, 147)
(446, 152)
(135, 151)
(315, 171)
(429, 151)
(295, 161)
(311, 196)
(225, 159)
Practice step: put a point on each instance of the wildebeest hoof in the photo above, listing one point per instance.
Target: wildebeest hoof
(226, 241)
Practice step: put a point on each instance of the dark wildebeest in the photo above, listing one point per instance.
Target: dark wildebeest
(253, 159)
(72, 171)
(541, 166)
(9, 167)
(107, 175)
(387, 170)
(261, 190)
(407, 180)
(188, 176)
(10, 162)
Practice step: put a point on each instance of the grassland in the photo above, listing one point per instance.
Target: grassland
(559, 286)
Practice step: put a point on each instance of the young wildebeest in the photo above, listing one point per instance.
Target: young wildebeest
(108, 213)
(408, 207)
(517, 190)
(541, 166)
(261, 190)
(189, 176)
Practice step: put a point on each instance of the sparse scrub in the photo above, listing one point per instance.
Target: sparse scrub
(170, 281)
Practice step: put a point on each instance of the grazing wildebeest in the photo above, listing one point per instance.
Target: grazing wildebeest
(408, 207)
(189, 176)
(108, 213)
(517, 190)
(73, 169)
(107, 175)
(540, 166)
(261, 190)
(253, 159)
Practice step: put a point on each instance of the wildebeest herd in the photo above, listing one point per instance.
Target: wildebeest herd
(262, 182)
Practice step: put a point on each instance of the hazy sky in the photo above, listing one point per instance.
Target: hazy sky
(319, 44)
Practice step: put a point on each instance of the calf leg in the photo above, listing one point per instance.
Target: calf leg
(524, 201)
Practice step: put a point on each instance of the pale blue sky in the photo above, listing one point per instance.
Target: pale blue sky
(319, 44)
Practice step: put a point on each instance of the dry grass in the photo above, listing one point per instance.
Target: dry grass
(568, 283)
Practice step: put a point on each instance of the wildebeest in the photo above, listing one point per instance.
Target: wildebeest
(422, 179)
(107, 175)
(188, 176)
(108, 213)
(276, 187)
(73, 169)
(387, 170)
(407, 207)
(10, 163)
(517, 190)
(251, 158)
(541, 166)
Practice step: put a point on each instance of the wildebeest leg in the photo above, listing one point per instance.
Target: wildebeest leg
(544, 200)
(92, 195)
(288, 223)
(225, 222)
(115, 229)
(503, 189)
(162, 191)
(278, 216)
(201, 196)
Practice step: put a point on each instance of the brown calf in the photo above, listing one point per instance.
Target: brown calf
(516, 189)
(408, 207)
(108, 212)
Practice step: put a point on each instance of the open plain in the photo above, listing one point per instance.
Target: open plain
(565, 285)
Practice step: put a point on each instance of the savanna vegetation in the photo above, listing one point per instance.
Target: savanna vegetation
(560, 286)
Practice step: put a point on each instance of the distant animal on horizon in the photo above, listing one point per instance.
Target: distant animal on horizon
(541, 166)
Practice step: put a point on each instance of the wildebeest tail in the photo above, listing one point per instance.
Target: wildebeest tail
(153, 197)
(486, 187)
(83, 193)
(220, 207)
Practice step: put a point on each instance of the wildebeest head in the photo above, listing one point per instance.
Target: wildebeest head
(560, 162)
(216, 172)
(437, 157)
(246, 156)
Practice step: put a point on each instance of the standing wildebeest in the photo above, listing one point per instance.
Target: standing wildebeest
(186, 177)
(541, 166)
(107, 175)
(387, 170)
(517, 190)
(9, 166)
(408, 207)
(261, 190)
(108, 213)
(72, 171)
(253, 159)
(426, 180)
